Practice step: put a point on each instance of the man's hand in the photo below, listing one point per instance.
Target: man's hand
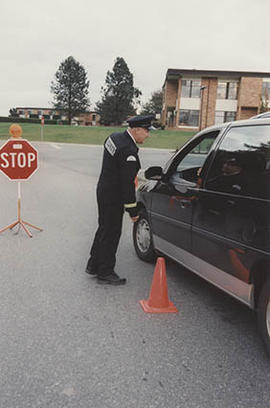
(134, 219)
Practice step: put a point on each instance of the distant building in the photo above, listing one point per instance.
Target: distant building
(85, 118)
(88, 119)
(33, 113)
(195, 99)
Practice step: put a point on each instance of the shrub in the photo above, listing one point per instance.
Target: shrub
(26, 120)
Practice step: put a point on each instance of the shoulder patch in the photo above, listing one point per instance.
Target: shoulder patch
(131, 158)
(110, 146)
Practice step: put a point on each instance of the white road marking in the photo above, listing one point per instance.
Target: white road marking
(55, 145)
(60, 145)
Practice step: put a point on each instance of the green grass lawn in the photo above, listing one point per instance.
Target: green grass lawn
(168, 139)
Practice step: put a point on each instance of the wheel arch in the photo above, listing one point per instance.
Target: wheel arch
(141, 206)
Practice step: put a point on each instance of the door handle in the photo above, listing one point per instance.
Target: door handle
(230, 203)
(185, 203)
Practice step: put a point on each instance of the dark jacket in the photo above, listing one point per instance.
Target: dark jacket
(120, 166)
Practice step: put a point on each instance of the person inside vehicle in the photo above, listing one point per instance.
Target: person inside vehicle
(231, 178)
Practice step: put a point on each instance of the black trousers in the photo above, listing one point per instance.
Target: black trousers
(103, 252)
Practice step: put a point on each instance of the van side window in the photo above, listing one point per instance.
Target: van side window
(189, 166)
(242, 163)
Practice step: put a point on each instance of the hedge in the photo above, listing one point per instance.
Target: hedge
(26, 120)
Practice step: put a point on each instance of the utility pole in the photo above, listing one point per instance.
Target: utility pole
(202, 88)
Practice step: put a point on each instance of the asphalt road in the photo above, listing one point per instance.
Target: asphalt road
(66, 341)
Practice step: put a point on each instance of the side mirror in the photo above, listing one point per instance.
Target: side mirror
(153, 173)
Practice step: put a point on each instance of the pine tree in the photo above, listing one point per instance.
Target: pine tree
(13, 113)
(118, 95)
(154, 105)
(70, 88)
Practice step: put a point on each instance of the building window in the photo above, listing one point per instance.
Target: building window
(226, 90)
(221, 117)
(266, 89)
(230, 116)
(190, 88)
(189, 117)
(93, 117)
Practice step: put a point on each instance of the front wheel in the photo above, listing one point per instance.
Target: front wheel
(264, 315)
(142, 238)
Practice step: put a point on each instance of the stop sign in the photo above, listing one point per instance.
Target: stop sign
(18, 159)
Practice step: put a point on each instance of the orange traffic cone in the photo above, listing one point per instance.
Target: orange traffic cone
(158, 301)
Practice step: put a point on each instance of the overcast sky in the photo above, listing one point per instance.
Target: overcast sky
(151, 35)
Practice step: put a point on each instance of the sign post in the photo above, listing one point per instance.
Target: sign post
(18, 161)
(42, 128)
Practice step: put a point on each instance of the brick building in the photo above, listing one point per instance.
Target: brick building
(85, 118)
(30, 112)
(196, 99)
(88, 119)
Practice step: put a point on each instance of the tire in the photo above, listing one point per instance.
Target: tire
(142, 238)
(263, 315)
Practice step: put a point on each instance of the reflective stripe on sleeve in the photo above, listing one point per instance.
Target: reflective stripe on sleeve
(132, 205)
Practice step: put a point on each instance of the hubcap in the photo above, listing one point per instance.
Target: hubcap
(268, 318)
(143, 237)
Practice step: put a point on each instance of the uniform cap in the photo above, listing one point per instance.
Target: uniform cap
(143, 121)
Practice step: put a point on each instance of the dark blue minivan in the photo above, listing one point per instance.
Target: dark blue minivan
(209, 210)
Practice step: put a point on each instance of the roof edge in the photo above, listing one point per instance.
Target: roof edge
(171, 72)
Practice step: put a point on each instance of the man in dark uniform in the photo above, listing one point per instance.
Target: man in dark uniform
(116, 193)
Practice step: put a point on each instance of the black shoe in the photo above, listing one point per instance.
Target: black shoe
(112, 279)
(91, 271)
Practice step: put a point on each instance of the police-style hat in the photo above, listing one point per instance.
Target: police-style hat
(143, 121)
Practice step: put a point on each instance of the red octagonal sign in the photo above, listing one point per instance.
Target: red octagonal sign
(18, 159)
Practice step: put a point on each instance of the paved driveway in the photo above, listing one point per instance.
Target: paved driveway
(66, 341)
